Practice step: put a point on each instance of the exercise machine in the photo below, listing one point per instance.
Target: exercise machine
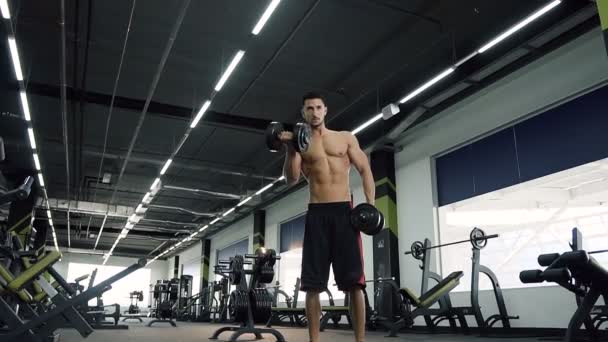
(478, 240)
(134, 312)
(249, 303)
(165, 294)
(578, 272)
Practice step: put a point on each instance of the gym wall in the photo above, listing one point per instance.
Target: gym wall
(158, 269)
(574, 68)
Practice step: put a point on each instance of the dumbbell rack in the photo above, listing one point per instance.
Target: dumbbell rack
(237, 275)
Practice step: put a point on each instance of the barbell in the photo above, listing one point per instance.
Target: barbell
(477, 238)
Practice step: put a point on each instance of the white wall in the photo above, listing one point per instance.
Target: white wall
(577, 66)
(190, 264)
(158, 269)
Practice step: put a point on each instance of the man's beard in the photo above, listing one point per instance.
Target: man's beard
(316, 125)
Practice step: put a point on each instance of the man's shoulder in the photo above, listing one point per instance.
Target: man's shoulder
(342, 134)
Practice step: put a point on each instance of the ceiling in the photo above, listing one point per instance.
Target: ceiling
(362, 54)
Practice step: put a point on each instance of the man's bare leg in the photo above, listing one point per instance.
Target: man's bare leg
(313, 314)
(357, 309)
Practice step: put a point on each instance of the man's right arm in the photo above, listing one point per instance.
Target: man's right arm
(292, 165)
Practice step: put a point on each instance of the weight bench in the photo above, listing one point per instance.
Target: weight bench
(333, 312)
(292, 312)
(423, 303)
(39, 327)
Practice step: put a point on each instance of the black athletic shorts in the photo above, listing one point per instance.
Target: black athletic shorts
(330, 239)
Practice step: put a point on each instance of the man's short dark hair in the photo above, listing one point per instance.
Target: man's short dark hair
(313, 95)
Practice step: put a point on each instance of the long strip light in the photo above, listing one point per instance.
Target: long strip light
(25, 105)
(167, 164)
(244, 201)
(6, 14)
(222, 81)
(451, 69)
(200, 114)
(15, 56)
(427, 85)
(235, 61)
(367, 123)
(37, 162)
(264, 18)
(519, 26)
(30, 134)
(28, 118)
(155, 183)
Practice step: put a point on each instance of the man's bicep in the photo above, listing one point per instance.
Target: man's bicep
(356, 155)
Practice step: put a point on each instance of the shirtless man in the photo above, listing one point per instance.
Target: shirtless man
(329, 238)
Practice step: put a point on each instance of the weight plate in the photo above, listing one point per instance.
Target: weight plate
(478, 238)
(272, 136)
(417, 250)
(301, 135)
(367, 219)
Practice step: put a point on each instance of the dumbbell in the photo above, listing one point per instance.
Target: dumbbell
(367, 219)
(300, 139)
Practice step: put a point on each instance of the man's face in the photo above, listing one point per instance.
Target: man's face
(314, 112)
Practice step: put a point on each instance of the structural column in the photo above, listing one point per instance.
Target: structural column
(386, 247)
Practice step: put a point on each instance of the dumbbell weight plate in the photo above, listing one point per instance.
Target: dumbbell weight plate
(301, 137)
(272, 136)
(367, 219)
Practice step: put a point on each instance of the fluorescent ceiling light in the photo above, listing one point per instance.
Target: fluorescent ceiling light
(244, 201)
(200, 114)
(264, 189)
(134, 218)
(235, 61)
(167, 164)
(48, 213)
(15, 55)
(367, 123)
(129, 225)
(30, 133)
(26, 107)
(40, 180)
(156, 181)
(147, 198)
(37, 161)
(264, 18)
(51, 222)
(6, 14)
(280, 178)
(427, 85)
(214, 221)
(519, 25)
(203, 228)
(228, 212)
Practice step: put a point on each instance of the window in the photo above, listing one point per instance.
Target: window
(532, 218)
(238, 248)
(119, 294)
(291, 235)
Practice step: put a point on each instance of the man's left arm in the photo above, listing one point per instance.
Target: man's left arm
(359, 159)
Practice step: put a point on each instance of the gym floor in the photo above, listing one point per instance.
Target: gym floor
(186, 332)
